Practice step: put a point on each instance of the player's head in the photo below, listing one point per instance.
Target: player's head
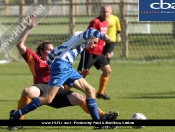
(44, 48)
(92, 42)
(105, 12)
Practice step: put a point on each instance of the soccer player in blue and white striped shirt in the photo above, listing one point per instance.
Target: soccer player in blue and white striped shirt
(60, 61)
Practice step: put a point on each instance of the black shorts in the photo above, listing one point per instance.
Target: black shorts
(109, 47)
(60, 99)
(90, 59)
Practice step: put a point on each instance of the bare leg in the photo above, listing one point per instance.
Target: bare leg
(37, 102)
(47, 99)
(82, 85)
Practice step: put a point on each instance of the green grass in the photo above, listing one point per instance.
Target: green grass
(134, 87)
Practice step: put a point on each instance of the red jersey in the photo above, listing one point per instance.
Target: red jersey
(38, 67)
(102, 27)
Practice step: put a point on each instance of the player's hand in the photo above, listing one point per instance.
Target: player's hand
(106, 38)
(32, 21)
(118, 37)
(48, 67)
(84, 73)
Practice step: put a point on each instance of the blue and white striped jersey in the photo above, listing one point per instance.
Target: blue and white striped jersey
(70, 49)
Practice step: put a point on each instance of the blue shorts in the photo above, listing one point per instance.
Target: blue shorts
(62, 72)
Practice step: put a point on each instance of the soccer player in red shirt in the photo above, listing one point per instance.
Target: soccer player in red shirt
(41, 75)
(94, 55)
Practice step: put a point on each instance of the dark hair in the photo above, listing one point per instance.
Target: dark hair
(41, 46)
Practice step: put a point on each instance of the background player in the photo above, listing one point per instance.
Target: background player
(113, 31)
(94, 55)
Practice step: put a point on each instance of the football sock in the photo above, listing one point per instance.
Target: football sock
(102, 85)
(108, 59)
(34, 104)
(84, 107)
(23, 101)
(92, 107)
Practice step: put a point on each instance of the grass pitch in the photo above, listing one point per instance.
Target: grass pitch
(134, 87)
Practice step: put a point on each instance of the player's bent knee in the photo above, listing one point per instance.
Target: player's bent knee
(76, 98)
(106, 70)
(109, 71)
(31, 92)
(79, 97)
(90, 91)
(27, 92)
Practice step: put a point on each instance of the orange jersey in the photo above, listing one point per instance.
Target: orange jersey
(38, 67)
(102, 27)
(113, 27)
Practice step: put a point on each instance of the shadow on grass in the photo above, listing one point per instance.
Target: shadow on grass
(158, 95)
(55, 128)
(80, 128)
(150, 97)
(3, 128)
(15, 74)
(124, 127)
(8, 100)
(51, 128)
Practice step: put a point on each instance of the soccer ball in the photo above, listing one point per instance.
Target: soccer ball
(138, 116)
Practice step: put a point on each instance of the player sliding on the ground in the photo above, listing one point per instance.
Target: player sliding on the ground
(61, 72)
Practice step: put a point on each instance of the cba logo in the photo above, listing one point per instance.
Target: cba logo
(162, 5)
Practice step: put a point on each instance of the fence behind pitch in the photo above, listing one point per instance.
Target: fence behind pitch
(145, 40)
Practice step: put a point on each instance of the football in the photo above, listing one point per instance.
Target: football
(138, 116)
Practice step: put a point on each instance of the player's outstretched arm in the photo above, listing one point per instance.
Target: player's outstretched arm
(23, 36)
(91, 33)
